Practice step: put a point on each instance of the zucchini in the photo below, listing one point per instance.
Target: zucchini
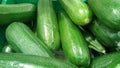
(108, 12)
(47, 26)
(8, 2)
(22, 13)
(108, 37)
(78, 11)
(110, 60)
(93, 43)
(25, 41)
(74, 46)
(30, 61)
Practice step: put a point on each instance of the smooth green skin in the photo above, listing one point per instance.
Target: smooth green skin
(108, 37)
(23, 40)
(29, 61)
(47, 26)
(78, 11)
(108, 11)
(27, 1)
(16, 12)
(110, 60)
(74, 46)
(8, 2)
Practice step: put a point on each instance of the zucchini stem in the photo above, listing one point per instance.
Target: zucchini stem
(95, 45)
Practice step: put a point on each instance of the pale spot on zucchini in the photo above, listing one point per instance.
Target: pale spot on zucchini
(87, 20)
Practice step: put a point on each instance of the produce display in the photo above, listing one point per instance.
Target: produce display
(59, 34)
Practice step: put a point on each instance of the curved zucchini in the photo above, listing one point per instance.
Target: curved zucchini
(108, 12)
(78, 11)
(30, 61)
(106, 61)
(74, 46)
(16, 12)
(47, 26)
(23, 40)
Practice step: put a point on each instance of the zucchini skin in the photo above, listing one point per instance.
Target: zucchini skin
(74, 46)
(27, 1)
(22, 13)
(109, 15)
(25, 41)
(16, 60)
(110, 60)
(7, 2)
(47, 26)
(78, 11)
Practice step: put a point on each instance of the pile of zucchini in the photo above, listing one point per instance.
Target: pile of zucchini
(59, 34)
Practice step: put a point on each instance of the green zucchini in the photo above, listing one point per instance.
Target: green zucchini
(30, 61)
(47, 26)
(108, 12)
(74, 46)
(108, 37)
(93, 43)
(16, 12)
(78, 11)
(8, 2)
(23, 40)
(106, 61)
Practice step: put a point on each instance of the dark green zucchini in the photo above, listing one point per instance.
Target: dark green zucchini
(16, 12)
(108, 37)
(23, 40)
(102, 34)
(74, 46)
(108, 12)
(106, 61)
(78, 11)
(8, 2)
(29, 61)
(35, 2)
(47, 26)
